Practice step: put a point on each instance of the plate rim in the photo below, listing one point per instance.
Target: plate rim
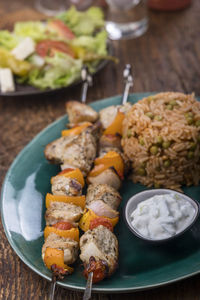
(25, 261)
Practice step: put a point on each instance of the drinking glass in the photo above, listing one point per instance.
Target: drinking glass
(53, 7)
(126, 18)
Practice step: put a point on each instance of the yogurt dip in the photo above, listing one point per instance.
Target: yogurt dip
(162, 216)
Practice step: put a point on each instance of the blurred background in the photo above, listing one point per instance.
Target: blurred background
(164, 58)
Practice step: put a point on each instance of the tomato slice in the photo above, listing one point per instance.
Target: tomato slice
(58, 271)
(48, 48)
(98, 267)
(61, 29)
(63, 225)
(101, 221)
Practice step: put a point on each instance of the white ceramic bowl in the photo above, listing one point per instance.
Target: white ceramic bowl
(142, 196)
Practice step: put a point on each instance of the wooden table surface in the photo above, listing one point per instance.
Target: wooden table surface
(166, 58)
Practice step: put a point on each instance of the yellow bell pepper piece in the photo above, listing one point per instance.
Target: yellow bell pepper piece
(55, 256)
(116, 126)
(89, 215)
(72, 233)
(111, 159)
(76, 130)
(73, 173)
(18, 67)
(76, 200)
(80, 52)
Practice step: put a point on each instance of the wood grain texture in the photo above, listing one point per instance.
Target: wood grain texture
(166, 58)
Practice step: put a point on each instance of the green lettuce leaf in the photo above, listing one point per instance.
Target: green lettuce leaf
(93, 44)
(83, 23)
(7, 40)
(60, 70)
(35, 30)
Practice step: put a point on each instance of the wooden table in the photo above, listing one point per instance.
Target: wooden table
(166, 58)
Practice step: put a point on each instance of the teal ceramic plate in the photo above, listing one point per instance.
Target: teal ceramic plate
(141, 265)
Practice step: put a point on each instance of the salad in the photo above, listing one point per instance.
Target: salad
(51, 54)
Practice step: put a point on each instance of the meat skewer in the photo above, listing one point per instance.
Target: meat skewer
(64, 187)
(64, 209)
(103, 205)
(99, 246)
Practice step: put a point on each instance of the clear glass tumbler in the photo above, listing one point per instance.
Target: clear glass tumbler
(53, 7)
(126, 18)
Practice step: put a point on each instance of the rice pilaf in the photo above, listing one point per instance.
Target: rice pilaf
(161, 137)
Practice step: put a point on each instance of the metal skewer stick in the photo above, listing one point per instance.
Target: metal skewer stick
(88, 289)
(53, 286)
(128, 79)
(87, 81)
(57, 273)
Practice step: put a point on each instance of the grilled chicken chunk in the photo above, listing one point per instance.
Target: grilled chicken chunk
(54, 151)
(60, 211)
(108, 114)
(69, 246)
(125, 108)
(102, 209)
(110, 141)
(95, 130)
(102, 244)
(109, 175)
(62, 185)
(105, 193)
(76, 152)
(78, 112)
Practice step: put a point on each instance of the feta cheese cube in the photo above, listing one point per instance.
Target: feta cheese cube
(24, 49)
(6, 80)
(37, 60)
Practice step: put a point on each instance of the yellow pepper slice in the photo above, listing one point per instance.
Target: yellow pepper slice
(76, 200)
(116, 126)
(89, 215)
(76, 130)
(18, 67)
(55, 256)
(72, 233)
(73, 173)
(111, 159)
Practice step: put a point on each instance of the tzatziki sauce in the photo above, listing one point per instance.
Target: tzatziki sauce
(162, 216)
